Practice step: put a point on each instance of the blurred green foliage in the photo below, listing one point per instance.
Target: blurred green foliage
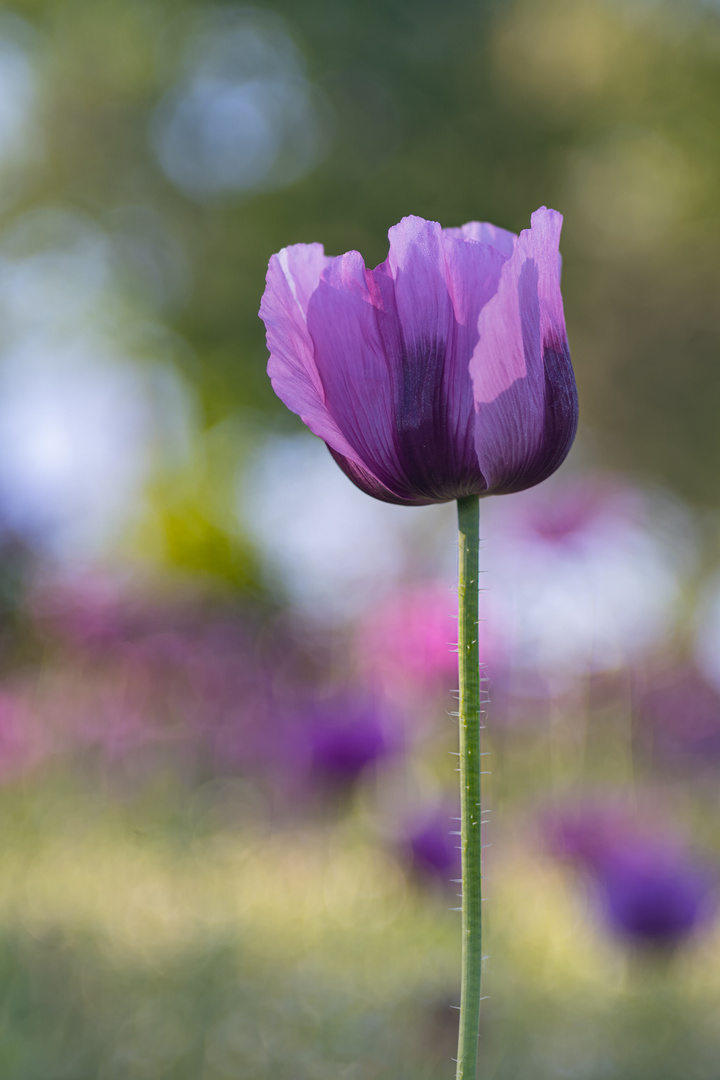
(606, 109)
(152, 941)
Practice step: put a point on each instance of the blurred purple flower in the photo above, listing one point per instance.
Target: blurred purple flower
(585, 833)
(442, 373)
(679, 716)
(343, 750)
(89, 611)
(649, 887)
(432, 851)
(138, 670)
(405, 643)
(655, 896)
(332, 742)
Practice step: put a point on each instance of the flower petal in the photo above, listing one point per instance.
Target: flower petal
(385, 349)
(472, 273)
(523, 384)
(292, 277)
(485, 233)
(392, 349)
(353, 327)
(434, 276)
(372, 486)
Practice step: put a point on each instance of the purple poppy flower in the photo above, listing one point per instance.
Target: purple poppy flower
(444, 372)
(333, 742)
(650, 889)
(654, 896)
(433, 847)
(343, 750)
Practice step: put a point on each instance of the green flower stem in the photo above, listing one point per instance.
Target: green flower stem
(469, 713)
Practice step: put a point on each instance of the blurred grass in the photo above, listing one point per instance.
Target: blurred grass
(138, 943)
(162, 949)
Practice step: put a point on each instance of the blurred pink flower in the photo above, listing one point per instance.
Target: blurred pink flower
(584, 576)
(431, 846)
(569, 511)
(408, 643)
(84, 611)
(23, 741)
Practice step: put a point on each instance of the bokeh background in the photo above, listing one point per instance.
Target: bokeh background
(227, 787)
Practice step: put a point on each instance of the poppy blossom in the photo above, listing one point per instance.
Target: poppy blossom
(442, 373)
(345, 738)
(651, 890)
(655, 897)
(431, 846)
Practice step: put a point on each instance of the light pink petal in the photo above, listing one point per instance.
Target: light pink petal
(524, 388)
(292, 277)
(353, 327)
(472, 276)
(485, 233)
(416, 263)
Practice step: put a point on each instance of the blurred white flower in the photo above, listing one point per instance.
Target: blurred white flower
(83, 424)
(243, 116)
(584, 574)
(333, 549)
(578, 576)
(55, 273)
(78, 434)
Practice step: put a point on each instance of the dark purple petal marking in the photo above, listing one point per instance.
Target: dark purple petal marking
(434, 444)
(372, 486)
(561, 406)
(392, 359)
(428, 356)
(559, 409)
